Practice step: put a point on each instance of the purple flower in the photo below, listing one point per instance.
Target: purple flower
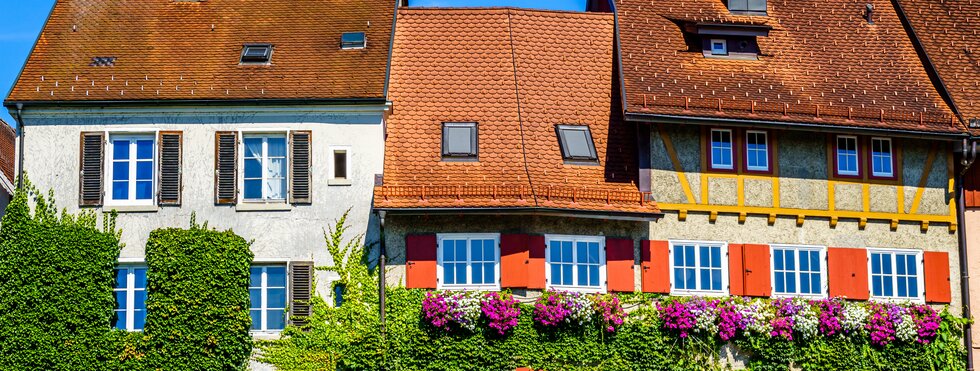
(881, 323)
(502, 313)
(677, 316)
(831, 312)
(611, 310)
(437, 311)
(729, 321)
(926, 321)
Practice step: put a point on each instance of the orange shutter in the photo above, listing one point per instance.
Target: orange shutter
(736, 272)
(936, 276)
(513, 260)
(847, 273)
(756, 261)
(655, 257)
(535, 268)
(420, 261)
(619, 265)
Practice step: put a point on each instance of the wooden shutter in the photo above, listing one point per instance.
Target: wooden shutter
(847, 273)
(535, 269)
(513, 260)
(91, 164)
(171, 152)
(300, 293)
(736, 270)
(757, 276)
(935, 266)
(299, 167)
(655, 261)
(225, 167)
(619, 265)
(420, 261)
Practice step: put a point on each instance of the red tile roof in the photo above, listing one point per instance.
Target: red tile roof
(8, 139)
(822, 63)
(517, 73)
(189, 50)
(949, 31)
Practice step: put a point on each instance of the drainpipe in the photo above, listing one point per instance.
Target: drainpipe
(968, 155)
(383, 256)
(20, 154)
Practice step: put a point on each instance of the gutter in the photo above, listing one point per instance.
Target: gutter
(968, 157)
(543, 211)
(837, 129)
(619, 55)
(19, 116)
(382, 284)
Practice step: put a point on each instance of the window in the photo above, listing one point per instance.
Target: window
(265, 167)
(339, 158)
(576, 143)
(699, 268)
(459, 140)
(721, 149)
(756, 151)
(256, 54)
(747, 6)
(469, 261)
(352, 40)
(847, 156)
(267, 297)
(882, 158)
(130, 296)
(576, 263)
(719, 47)
(895, 274)
(131, 169)
(798, 271)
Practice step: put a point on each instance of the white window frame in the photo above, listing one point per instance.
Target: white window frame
(920, 297)
(765, 142)
(548, 238)
(110, 160)
(130, 289)
(857, 155)
(440, 285)
(331, 164)
(725, 290)
(265, 134)
(822, 257)
(731, 149)
(724, 49)
(263, 307)
(890, 157)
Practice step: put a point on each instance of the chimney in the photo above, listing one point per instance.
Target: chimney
(869, 10)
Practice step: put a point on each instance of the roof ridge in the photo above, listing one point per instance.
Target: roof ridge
(500, 9)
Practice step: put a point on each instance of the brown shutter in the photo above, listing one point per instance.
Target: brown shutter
(225, 167)
(536, 262)
(91, 164)
(513, 260)
(420, 261)
(300, 293)
(299, 167)
(171, 152)
(935, 266)
(847, 273)
(619, 265)
(655, 261)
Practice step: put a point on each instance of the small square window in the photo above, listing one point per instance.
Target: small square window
(339, 166)
(576, 143)
(459, 140)
(756, 150)
(847, 156)
(353, 40)
(882, 158)
(721, 150)
(256, 54)
(719, 47)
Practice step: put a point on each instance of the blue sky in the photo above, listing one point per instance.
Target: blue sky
(26, 18)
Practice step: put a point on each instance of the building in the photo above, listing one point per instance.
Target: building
(8, 156)
(268, 123)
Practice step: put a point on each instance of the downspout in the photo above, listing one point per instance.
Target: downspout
(383, 256)
(968, 156)
(20, 154)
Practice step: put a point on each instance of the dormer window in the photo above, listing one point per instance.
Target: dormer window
(353, 40)
(719, 47)
(257, 54)
(730, 47)
(747, 7)
(459, 141)
(576, 143)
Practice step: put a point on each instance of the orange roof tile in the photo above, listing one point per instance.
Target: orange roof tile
(8, 138)
(949, 31)
(189, 50)
(821, 63)
(517, 73)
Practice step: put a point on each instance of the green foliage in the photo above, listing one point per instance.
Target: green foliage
(197, 299)
(56, 277)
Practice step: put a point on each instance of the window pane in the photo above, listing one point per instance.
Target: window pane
(777, 259)
(555, 250)
(256, 319)
(577, 143)
(144, 190)
(120, 190)
(805, 284)
(900, 267)
(815, 284)
(780, 282)
(814, 261)
(887, 285)
(593, 275)
(253, 168)
(593, 253)
(459, 140)
(886, 264)
(476, 251)
(276, 299)
(139, 319)
(255, 298)
(488, 253)
(276, 276)
(566, 251)
(255, 277)
(583, 275)
(139, 274)
(120, 297)
(139, 299)
(913, 287)
(556, 274)
(876, 263)
(489, 273)
(911, 264)
(119, 320)
(276, 319)
(253, 189)
(121, 275)
(737, 4)
(144, 149)
(567, 273)
(689, 278)
(679, 278)
(340, 164)
(277, 147)
(804, 261)
(705, 279)
(704, 253)
(757, 5)
(902, 287)
(120, 150)
(144, 170)
(790, 282)
(582, 252)
(876, 286)
(253, 147)
(449, 273)
(120, 170)
(460, 273)
(448, 250)
(715, 257)
(476, 274)
(461, 251)
(679, 256)
(689, 256)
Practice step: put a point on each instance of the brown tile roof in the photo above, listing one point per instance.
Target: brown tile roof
(462, 65)
(8, 138)
(822, 63)
(949, 31)
(190, 50)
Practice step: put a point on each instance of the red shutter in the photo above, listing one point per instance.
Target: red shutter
(513, 260)
(847, 273)
(736, 272)
(655, 262)
(936, 276)
(619, 265)
(420, 261)
(758, 280)
(535, 267)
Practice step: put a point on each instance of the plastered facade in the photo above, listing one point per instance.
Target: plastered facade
(296, 234)
(972, 224)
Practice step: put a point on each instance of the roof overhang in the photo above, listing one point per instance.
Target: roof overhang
(655, 118)
(12, 104)
(544, 211)
(728, 29)
(6, 185)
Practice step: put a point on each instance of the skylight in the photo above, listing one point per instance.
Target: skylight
(353, 40)
(256, 54)
(459, 140)
(576, 143)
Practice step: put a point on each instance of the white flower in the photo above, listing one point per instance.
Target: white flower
(755, 319)
(854, 317)
(705, 320)
(805, 322)
(467, 311)
(906, 330)
(581, 308)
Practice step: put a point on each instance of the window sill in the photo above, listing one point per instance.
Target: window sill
(589, 290)
(265, 334)
(699, 293)
(339, 182)
(123, 209)
(897, 300)
(469, 288)
(261, 206)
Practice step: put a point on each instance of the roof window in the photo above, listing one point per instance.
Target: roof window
(103, 62)
(256, 54)
(719, 47)
(747, 7)
(576, 143)
(353, 40)
(731, 47)
(459, 140)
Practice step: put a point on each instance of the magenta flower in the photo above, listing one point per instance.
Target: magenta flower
(502, 313)
(611, 311)
(927, 323)
(678, 317)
